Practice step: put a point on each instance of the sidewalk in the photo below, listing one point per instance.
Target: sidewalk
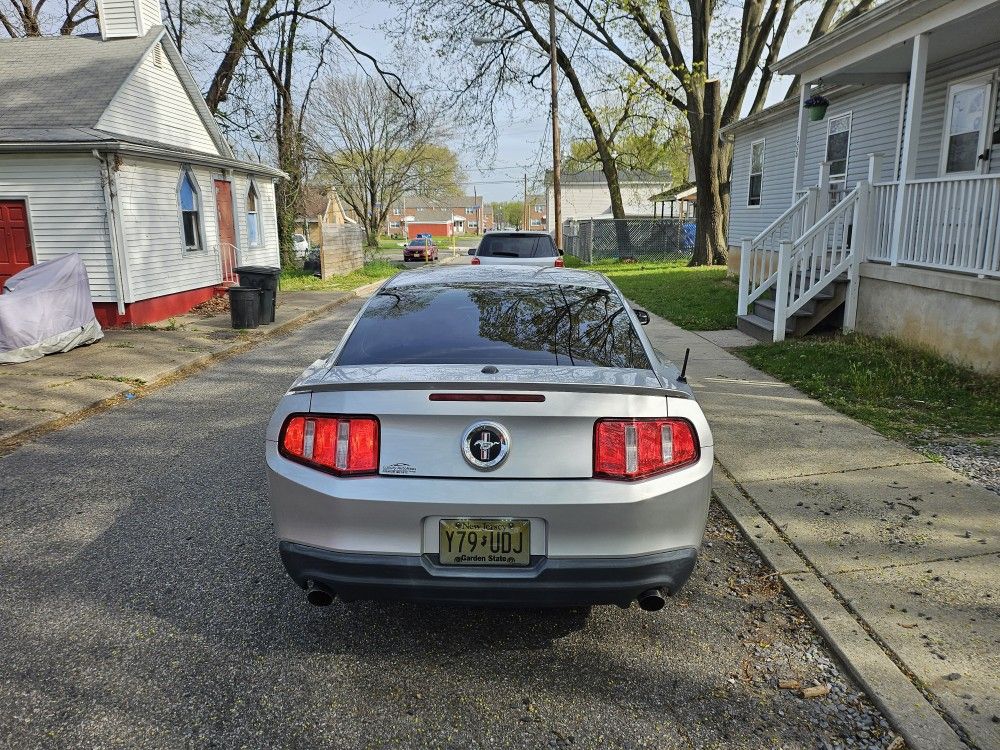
(894, 557)
(39, 395)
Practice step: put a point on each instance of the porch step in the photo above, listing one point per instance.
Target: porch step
(760, 328)
(764, 308)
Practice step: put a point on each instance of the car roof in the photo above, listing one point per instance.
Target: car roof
(494, 275)
(536, 232)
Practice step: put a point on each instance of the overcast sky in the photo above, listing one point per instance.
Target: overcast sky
(524, 136)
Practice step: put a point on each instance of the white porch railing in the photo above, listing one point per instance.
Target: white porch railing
(949, 224)
(952, 224)
(815, 260)
(879, 240)
(228, 261)
(759, 256)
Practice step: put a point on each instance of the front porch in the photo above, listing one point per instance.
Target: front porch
(940, 212)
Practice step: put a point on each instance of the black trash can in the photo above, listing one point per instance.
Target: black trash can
(264, 278)
(244, 306)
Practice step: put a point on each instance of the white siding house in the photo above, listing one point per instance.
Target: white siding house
(585, 195)
(884, 214)
(97, 137)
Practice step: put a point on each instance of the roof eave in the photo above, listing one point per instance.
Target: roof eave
(116, 146)
(871, 24)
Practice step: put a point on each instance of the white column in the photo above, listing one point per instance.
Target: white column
(911, 137)
(746, 248)
(781, 290)
(875, 162)
(800, 144)
(862, 217)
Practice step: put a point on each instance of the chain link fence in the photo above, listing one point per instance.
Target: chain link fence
(634, 239)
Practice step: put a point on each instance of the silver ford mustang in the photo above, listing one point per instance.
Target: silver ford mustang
(501, 436)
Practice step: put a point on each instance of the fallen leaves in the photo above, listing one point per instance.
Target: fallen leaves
(817, 691)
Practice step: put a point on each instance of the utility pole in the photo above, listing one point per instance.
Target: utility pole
(556, 191)
(524, 211)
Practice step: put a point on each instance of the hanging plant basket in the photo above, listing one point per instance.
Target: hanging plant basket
(816, 107)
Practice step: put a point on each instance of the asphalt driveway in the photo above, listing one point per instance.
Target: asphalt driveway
(143, 605)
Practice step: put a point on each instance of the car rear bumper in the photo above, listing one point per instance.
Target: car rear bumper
(548, 582)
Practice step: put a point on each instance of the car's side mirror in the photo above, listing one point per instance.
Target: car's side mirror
(472, 251)
(561, 251)
(642, 315)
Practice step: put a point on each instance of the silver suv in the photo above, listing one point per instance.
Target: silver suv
(517, 248)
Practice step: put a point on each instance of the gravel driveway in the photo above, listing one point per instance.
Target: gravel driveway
(143, 605)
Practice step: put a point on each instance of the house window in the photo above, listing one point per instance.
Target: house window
(253, 217)
(189, 199)
(968, 125)
(838, 141)
(397, 212)
(539, 208)
(471, 210)
(473, 225)
(536, 222)
(756, 173)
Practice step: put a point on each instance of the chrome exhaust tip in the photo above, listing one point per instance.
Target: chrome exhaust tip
(318, 597)
(651, 600)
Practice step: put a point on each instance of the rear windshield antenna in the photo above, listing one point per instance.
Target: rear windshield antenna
(683, 376)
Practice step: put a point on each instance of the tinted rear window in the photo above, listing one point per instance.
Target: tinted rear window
(516, 246)
(531, 324)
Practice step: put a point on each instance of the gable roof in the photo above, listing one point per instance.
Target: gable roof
(59, 87)
(65, 80)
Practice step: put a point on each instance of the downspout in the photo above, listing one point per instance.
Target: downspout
(114, 229)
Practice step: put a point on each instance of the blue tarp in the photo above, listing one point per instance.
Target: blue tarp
(689, 230)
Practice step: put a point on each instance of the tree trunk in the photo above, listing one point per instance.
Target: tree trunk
(704, 117)
(287, 190)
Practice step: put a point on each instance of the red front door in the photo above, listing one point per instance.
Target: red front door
(15, 242)
(227, 228)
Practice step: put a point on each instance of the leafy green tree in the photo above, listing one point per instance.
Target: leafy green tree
(509, 213)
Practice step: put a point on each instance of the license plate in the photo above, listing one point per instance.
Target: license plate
(485, 541)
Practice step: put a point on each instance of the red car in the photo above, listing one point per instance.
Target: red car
(420, 249)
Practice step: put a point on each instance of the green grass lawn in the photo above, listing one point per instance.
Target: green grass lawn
(698, 298)
(903, 393)
(297, 280)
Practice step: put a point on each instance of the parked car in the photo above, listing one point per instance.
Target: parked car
(520, 248)
(300, 245)
(420, 249)
(501, 436)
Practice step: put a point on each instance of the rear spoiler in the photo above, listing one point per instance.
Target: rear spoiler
(411, 385)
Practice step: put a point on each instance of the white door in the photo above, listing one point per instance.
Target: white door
(968, 126)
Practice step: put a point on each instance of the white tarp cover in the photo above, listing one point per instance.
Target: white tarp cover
(45, 309)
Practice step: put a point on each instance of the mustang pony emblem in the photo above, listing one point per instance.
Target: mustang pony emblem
(485, 445)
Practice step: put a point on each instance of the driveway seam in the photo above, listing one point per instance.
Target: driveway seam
(914, 741)
(843, 471)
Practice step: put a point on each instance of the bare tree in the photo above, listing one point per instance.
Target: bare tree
(686, 36)
(31, 17)
(679, 49)
(374, 149)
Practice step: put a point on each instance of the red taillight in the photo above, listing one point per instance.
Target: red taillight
(340, 445)
(560, 263)
(475, 261)
(640, 448)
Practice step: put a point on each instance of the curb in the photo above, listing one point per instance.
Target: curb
(871, 665)
(12, 442)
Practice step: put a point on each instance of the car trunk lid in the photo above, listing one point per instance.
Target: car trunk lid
(551, 435)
